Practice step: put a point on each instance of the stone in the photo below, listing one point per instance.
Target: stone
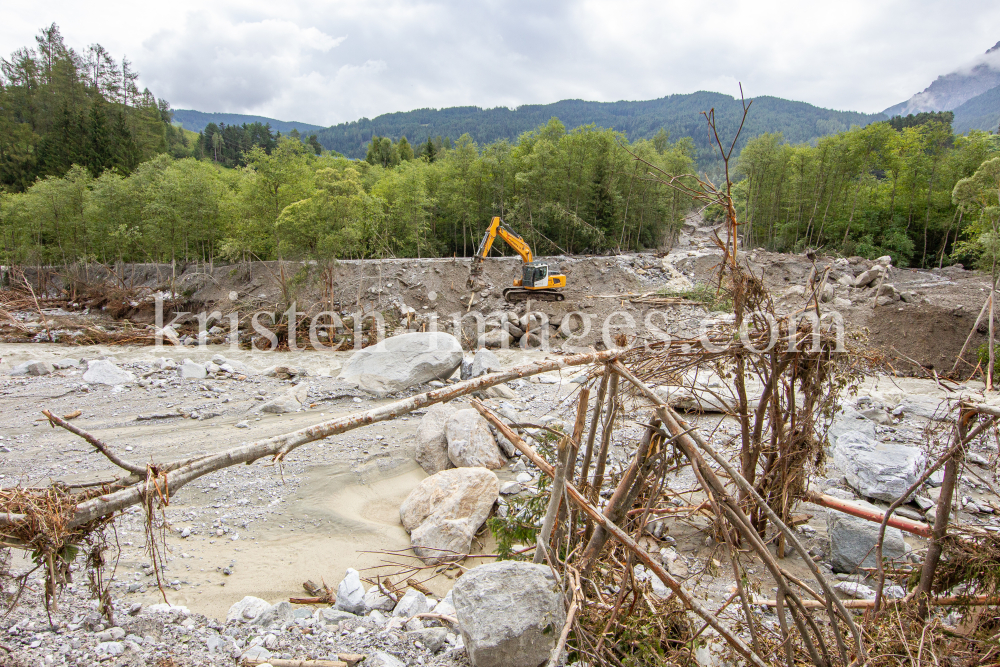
(275, 615)
(877, 469)
(39, 368)
(510, 613)
(927, 407)
(412, 603)
(497, 338)
(102, 371)
(190, 370)
(383, 659)
(243, 424)
(63, 364)
(432, 638)
(290, 401)
(484, 362)
(444, 511)
(247, 609)
(470, 441)
(699, 399)
(330, 616)
(848, 419)
(351, 594)
(255, 654)
(404, 361)
(855, 590)
(466, 371)
(432, 443)
(852, 541)
(446, 606)
(510, 488)
(111, 648)
(377, 601)
(869, 276)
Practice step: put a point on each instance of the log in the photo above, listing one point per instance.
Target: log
(847, 507)
(625, 539)
(279, 446)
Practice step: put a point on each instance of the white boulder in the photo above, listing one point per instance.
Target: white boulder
(403, 361)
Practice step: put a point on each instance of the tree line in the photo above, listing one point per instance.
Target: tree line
(60, 108)
(574, 191)
(884, 189)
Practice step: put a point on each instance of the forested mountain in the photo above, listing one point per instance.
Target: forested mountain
(60, 108)
(980, 113)
(949, 91)
(679, 115)
(197, 121)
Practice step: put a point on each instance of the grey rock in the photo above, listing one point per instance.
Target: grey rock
(376, 600)
(497, 338)
(470, 441)
(852, 541)
(290, 401)
(190, 370)
(855, 590)
(510, 488)
(247, 609)
(275, 615)
(432, 444)
(484, 362)
(330, 616)
(466, 371)
(63, 364)
(927, 407)
(383, 659)
(432, 638)
(102, 371)
(846, 420)
(111, 648)
(404, 361)
(350, 593)
(412, 603)
(877, 469)
(444, 511)
(39, 368)
(446, 606)
(255, 653)
(243, 424)
(510, 613)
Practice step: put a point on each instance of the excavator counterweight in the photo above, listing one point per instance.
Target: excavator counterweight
(536, 281)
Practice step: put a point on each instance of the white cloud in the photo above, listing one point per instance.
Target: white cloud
(327, 62)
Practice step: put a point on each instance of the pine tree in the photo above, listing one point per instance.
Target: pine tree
(99, 154)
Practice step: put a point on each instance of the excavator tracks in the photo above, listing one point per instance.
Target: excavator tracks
(519, 294)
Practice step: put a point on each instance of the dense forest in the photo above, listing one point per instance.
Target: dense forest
(679, 115)
(60, 108)
(563, 191)
(888, 188)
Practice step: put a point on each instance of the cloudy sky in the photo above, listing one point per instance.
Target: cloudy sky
(327, 62)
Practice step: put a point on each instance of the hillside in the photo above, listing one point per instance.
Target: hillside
(950, 91)
(980, 113)
(196, 121)
(678, 114)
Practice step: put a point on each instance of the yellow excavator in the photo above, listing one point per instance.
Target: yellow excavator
(536, 282)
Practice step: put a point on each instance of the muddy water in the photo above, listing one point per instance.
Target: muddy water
(342, 517)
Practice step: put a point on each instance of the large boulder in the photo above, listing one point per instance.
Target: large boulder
(444, 512)
(852, 541)
(845, 420)
(432, 443)
(403, 361)
(510, 613)
(102, 371)
(470, 442)
(879, 470)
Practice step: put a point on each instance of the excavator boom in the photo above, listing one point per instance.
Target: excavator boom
(536, 281)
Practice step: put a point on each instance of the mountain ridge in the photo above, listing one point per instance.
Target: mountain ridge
(196, 121)
(950, 91)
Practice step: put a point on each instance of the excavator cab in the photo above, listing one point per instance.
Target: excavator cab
(535, 273)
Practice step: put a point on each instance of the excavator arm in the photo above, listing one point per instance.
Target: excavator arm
(513, 239)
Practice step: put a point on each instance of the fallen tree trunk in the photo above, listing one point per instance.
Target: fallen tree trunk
(159, 482)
